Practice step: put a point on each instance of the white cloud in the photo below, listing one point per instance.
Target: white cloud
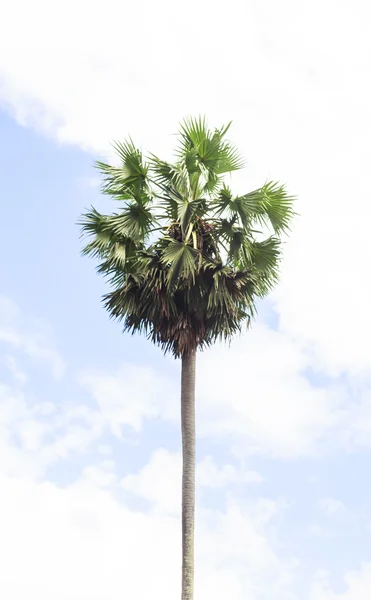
(81, 543)
(317, 531)
(131, 395)
(86, 541)
(16, 332)
(257, 396)
(357, 583)
(87, 545)
(245, 546)
(159, 482)
(11, 364)
(301, 116)
(254, 395)
(333, 508)
(35, 435)
(315, 126)
(211, 476)
(100, 475)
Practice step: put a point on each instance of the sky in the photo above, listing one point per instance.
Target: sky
(89, 417)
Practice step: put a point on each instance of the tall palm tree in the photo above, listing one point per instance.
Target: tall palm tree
(186, 260)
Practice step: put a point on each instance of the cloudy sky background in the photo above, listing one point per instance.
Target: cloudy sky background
(89, 419)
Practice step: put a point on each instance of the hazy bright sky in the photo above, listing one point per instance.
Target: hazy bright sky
(89, 418)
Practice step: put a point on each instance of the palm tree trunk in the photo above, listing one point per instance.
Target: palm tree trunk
(189, 467)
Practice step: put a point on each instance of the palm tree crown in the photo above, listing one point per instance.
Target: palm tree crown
(186, 258)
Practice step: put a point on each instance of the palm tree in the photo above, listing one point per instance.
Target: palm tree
(186, 261)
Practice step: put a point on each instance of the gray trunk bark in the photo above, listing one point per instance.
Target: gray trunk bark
(189, 468)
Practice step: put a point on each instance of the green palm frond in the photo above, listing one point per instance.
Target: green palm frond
(264, 255)
(185, 258)
(94, 226)
(193, 132)
(129, 180)
(223, 201)
(99, 246)
(181, 259)
(270, 204)
(114, 182)
(134, 221)
(92, 222)
(229, 158)
(132, 167)
(163, 172)
(199, 145)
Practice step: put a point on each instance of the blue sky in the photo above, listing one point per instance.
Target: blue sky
(89, 418)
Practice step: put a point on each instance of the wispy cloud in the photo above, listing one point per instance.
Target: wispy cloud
(17, 333)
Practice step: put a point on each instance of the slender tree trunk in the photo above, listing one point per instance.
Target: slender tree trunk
(189, 467)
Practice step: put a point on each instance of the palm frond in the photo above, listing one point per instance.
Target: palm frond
(183, 256)
(199, 145)
(192, 132)
(181, 259)
(132, 167)
(270, 204)
(134, 221)
(129, 180)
